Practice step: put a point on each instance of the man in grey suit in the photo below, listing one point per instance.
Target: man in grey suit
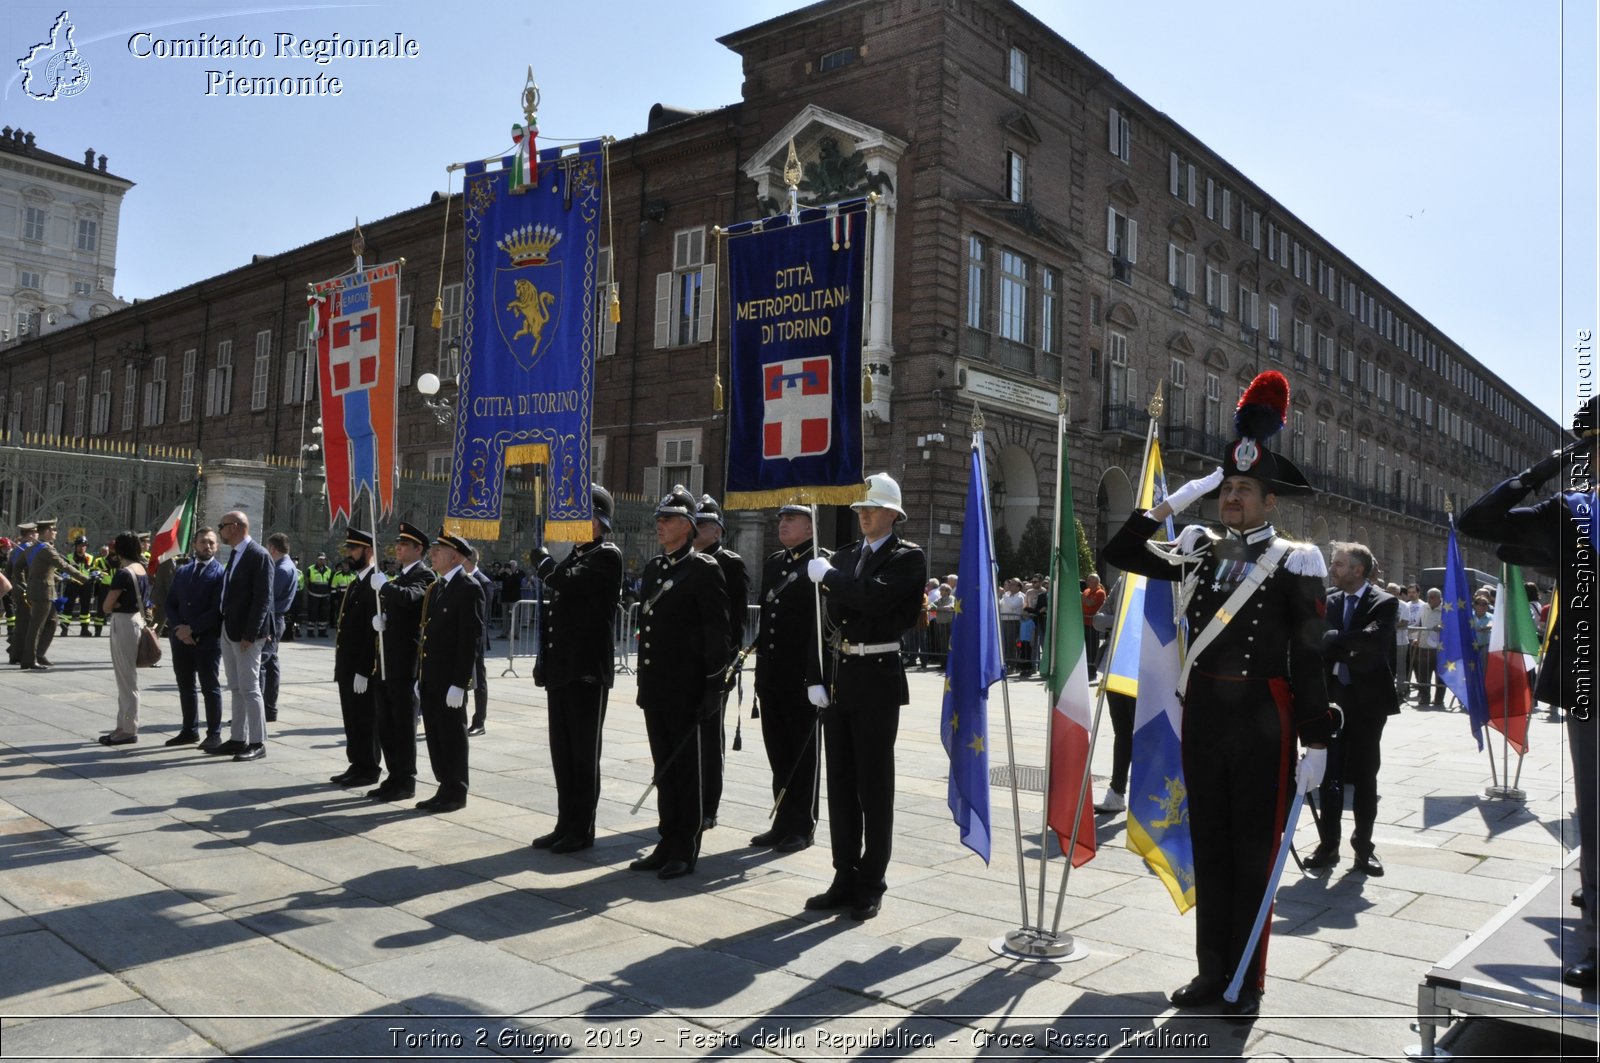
(247, 624)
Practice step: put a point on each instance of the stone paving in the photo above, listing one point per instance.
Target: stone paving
(158, 903)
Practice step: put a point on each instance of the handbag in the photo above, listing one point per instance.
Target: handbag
(149, 652)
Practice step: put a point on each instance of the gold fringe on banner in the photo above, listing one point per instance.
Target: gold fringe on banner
(783, 496)
(473, 530)
(568, 531)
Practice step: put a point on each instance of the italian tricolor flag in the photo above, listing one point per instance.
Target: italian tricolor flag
(1067, 672)
(172, 538)
(1513, 649)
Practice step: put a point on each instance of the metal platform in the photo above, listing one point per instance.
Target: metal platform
(1510, 970)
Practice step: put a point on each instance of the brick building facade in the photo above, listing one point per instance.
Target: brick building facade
(1043, 230)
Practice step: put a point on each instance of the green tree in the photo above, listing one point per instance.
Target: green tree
(1033, 548)
(1085, 555)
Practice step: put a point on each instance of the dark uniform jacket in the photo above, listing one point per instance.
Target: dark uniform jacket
(452, 630)
(1365, 649)
(1257, 643)
(576, 627)
(736, 579)
(787, 637)
(401, 601)
(876, 607)
(1553, 531)
(683, 631)
(355, 644)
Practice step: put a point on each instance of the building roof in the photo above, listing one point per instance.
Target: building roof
(15, 141)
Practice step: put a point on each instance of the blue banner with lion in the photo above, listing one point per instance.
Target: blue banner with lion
(528, 341)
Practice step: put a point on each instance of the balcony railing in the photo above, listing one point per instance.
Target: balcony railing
(1125, 418)
(1122, 270)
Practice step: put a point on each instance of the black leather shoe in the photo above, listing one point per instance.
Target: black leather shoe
(793, 843)
(254, 751)
(1369, 865)
(44, 662)
(832, 899)
(1581, 975)
(272, 716)
(573, 844)
(1323, 858)
(365, 778)
(708, 823)
(674, 869)
(211, 742)
(546, 841)
(1577, 898)
(227, 749)
(476, 729)
(183, 738)
(865, 909)
(654, 862)
(1245, 1009)
(1199, 993)
(115, 739)
(392, 793)
(343, 778)
(449, 804)
(767, 839)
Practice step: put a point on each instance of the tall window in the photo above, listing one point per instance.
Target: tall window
(1013, 297)
(1050, 322)
(406, 341)
(34, 220)
(1342, 457)
(605, 328)
(219, 382)
(450, 332)
(1319, 454)
(977, 283)
(80, 406)
(186, 386)
(1119, 376)
(1181, 178)
(155, 392)
(37, 415)
(684, 297)
(1016, 177)
(1118, 140)
(1216, 290)
(1249, 309)
(261, 370)
(1178, 402)
(130, 396)
(28, 278)
(1017, 70)
(299, 365)
(1180, 269)
(1122, 241)
(1213, 413)
(88, 234)
(58, 405)
(100, 419)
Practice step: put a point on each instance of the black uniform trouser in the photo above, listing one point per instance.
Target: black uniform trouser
(395, 718)
(713, 746)
(317, 617)
(360, 726)
(789, 731)
(1353, 760)
(675, 752)
(859, 735)
(577, 717)
(19, 630)
(447, 741)
(480, 690)
(1122, 709)
(1238, 744)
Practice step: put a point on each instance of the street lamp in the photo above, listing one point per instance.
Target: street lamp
(429, 385)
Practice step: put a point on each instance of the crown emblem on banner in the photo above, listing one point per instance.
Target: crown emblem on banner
(529, 245)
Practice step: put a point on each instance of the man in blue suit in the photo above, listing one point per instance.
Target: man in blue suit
(247, 625)
(194, 627)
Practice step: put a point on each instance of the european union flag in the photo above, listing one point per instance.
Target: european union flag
(973, 667)
(1458, 664)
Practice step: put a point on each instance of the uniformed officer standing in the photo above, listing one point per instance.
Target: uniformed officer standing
(683, 646)
(872, 591)
(45, 566)
(1558, 533)
(1254, 679)
(17, 573)
(786, 641)
(80, 591)
(708, 529)
(394, 699)
(319, 590)
(576, 666)
(453, 616)
(355, 662)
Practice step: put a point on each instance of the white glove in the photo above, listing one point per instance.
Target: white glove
(818, 567)
(379, 623)
(377, 579)
(1308, 773)
(455, 697)
(818, 694)
(360, 684)
(1184, 497)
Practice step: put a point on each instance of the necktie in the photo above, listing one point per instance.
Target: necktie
(1342, 670)
(861, 564)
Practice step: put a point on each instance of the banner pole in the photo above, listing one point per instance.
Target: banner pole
(372, 512)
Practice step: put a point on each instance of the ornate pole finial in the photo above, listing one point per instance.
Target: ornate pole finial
(977, 419)
(530, 98)
(1449, 506)
(358, 244)
(791, 177)
(1157, 403)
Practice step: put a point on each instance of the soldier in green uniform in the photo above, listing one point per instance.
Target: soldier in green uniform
(45, 565)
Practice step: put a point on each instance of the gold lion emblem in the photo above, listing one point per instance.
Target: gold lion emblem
(1171, 805)
(534, 306)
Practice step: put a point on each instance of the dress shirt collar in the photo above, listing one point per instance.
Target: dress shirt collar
(448, 576)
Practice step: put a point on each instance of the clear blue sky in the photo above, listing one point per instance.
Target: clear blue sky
(1423, 139)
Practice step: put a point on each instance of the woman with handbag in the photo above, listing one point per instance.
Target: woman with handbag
(125, 605)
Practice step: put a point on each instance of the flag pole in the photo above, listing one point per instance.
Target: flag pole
(1157, 404)
(1005, 686)
(372, 512)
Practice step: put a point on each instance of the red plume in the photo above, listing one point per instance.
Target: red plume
(1264, 407)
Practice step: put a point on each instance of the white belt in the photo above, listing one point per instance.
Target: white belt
(863, 649)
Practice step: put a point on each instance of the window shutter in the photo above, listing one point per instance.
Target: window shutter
(1133, 240)
(708, 305)
(1227, 209)
(1172, 265)
(407, 343)
(1188, 273)
(663, 310)
(652, 483)
(1114, 142)
(1172, 176)
(1222, 300)
(1211, 199)
(1111, 227)
(1191, 185)
(697, 479)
